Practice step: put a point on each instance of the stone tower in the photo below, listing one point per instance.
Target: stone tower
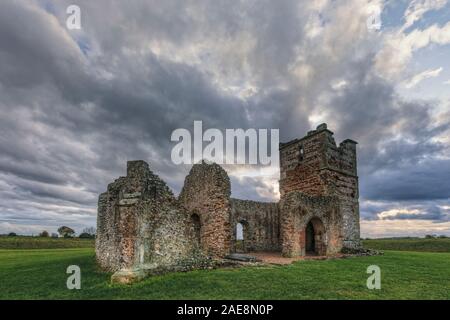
(314, 167)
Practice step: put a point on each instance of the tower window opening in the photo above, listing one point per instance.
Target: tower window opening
(301, 153)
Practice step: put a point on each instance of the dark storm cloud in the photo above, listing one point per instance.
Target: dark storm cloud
(396, 151)
(76, 105)
(67, 131)
(426, 180)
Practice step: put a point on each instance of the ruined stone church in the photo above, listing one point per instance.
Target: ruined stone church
(142, 228)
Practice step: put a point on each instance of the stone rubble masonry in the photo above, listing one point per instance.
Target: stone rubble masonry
(298, 209)
(143, 229)
(261, 224)
(206, 193)
(140, 227)
(315, 166)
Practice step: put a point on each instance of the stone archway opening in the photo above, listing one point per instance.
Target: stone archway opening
(315, 237)
(195, 219)
(241, 236)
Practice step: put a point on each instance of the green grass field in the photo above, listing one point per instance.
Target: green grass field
(23, 242)
(41, 274)
(409, 244)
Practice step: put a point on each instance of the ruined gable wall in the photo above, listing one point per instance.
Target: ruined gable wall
(261, 224)
(140, 223)
(165, 234)
(206, 192)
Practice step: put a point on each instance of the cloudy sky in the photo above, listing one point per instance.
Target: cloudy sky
(75, 105)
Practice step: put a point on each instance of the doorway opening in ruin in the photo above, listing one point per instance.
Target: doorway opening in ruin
(315, 238)
(195, 218)
(241, 237)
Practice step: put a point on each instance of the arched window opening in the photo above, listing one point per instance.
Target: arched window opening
(241, 236)
(197, 227)
(239, 231)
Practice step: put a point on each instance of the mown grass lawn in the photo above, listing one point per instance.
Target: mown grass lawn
(409, 244)
(41, 274)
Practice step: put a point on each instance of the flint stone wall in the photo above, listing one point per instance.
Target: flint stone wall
(298, 209)
(140, 225)
(261, 223)
(206, 193)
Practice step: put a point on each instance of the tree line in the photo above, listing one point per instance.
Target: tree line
(65, 232)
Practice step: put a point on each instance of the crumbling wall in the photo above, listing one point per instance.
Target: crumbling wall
(206, 193)
(140, 227)
(107, 238)
(165, 235)
(261, 224)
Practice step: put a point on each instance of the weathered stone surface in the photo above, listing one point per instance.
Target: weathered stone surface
(142, 229)
(128, 276)
(206, 195)
(261, 224)
(150, 230)
(298, 210)
(362, 252)
(242, 257)
(315, 166)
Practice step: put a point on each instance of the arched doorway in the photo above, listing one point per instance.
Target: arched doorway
(315, 238)
(310, 245)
